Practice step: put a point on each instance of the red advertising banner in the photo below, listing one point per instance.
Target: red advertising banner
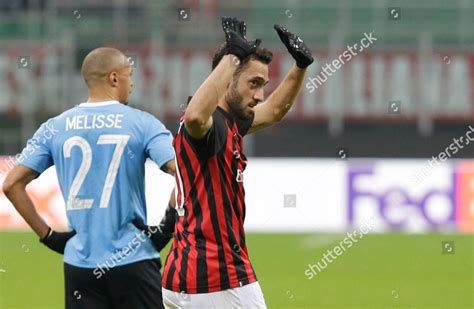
(361, 85)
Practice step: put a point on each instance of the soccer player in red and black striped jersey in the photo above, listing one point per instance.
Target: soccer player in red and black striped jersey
(208, 265)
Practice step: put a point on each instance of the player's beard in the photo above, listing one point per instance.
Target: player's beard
(234, 101)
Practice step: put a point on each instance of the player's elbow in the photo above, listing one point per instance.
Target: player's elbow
(193, 119)
(190, 121)
(8, 186)
(15, 182)
(196, 126)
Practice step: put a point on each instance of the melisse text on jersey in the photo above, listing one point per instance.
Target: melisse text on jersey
(81, 122)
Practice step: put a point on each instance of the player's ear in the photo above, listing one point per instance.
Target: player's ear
(113, 79)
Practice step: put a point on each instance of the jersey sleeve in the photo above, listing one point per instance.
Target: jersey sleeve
(214, 139)
(158, 142)
(37, 153)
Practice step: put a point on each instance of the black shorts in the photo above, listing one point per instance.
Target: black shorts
(132, 286)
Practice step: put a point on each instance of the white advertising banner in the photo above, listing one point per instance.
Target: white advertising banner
(312, 195)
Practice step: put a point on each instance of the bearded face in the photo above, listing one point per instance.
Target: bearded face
(246, 89)
(235, 102)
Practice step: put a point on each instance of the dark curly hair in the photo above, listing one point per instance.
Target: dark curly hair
(261, 54)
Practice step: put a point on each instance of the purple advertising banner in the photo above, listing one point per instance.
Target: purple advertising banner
(442, 201)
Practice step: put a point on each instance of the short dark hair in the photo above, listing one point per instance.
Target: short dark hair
(261, 54)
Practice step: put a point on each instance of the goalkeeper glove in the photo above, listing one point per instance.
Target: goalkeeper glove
(236, 38)
(236, 25)
(296, 47)
(161, 234)
(56, 241)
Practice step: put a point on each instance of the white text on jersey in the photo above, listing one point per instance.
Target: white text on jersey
(85, 122)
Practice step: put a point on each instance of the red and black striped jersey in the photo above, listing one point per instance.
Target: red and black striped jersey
(209, 252)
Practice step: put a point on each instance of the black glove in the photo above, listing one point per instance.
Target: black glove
(236, 25)
(236, 38)
(161, 234)
(56, 241)
(296, 47)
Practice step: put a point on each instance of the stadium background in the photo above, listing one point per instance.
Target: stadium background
(355, 150)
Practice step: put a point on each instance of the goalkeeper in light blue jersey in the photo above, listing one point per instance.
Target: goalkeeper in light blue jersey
(99, 150)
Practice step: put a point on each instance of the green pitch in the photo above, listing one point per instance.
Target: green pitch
(379, 271)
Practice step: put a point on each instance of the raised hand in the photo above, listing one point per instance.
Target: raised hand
(296, 47)
(236, 38)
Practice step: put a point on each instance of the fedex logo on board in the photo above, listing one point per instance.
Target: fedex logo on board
(384, 192)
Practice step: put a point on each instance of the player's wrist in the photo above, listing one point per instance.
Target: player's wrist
(57, 241)
(236, 51)
(301, 65)
(300, 68)
(231, 60)
(295, 46)
(47, 234)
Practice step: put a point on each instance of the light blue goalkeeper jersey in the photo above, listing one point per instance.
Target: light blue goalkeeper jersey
(99, 150)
